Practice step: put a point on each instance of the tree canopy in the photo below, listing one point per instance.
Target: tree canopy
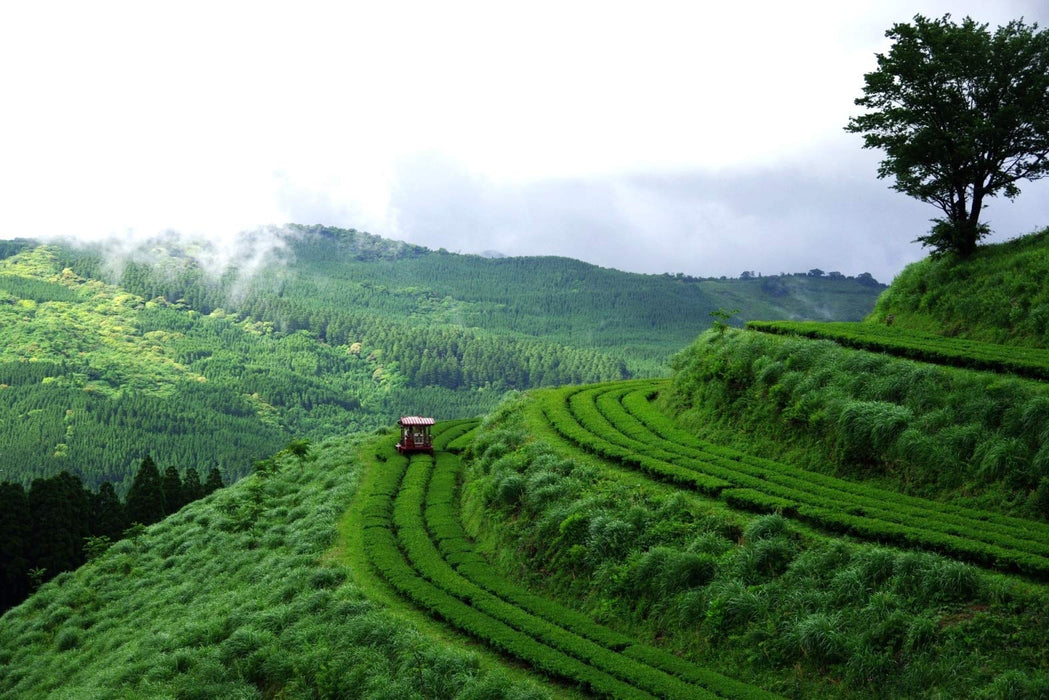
(962, 115)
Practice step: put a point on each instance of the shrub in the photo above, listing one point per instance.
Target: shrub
(922, 634)
(730, 605)
(685, 570)
(327, 577)
(765, 527)
(1016, 685)
(609, 538)
(509, 490)
(1040, 497)
(869, 666)
(1002, 457)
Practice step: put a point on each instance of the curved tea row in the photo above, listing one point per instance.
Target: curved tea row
(618, 421)
(926, 347)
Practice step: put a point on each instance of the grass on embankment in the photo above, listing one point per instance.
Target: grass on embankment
(235, 596)
(971, 437)
(757, 597)
(998, 295)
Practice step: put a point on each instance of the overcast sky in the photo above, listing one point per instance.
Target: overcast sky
(647, 136)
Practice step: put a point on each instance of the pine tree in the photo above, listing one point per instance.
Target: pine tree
(145, 499)
(107, 513)
(192, 489)
(59, 514)
(14, 545)
(214, 481)
(172, 485)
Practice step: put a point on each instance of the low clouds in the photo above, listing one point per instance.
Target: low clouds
(669, 137)
(834, 216)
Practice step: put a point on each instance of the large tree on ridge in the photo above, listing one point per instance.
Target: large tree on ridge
(962, 115)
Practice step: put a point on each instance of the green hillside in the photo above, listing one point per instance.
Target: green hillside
(998, 295)
(822, 510)
(346, 285)
(93, 378)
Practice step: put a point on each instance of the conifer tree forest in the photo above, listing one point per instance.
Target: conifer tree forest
(56, 524)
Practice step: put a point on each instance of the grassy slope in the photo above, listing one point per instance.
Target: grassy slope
(939, 432)
(237, 595)
(999, 295)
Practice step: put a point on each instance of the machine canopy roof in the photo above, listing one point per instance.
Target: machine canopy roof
(412, 421)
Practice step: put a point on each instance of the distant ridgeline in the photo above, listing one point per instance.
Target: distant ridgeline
(207, 361)
(346, 286)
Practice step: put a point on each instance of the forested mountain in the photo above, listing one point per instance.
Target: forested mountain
(165, 350)
(346, 285)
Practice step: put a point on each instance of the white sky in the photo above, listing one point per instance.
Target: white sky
(654, 136)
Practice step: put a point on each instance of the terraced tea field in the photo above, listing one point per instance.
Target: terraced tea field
(414, 536)
(619, 422)
(414, 539)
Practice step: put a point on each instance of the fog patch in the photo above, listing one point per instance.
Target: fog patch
(235, 262)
